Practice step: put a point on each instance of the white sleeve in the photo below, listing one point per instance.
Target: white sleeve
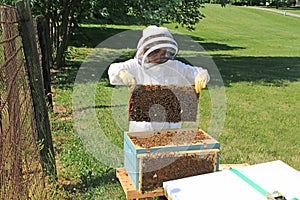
(115, 68)
(191, 72)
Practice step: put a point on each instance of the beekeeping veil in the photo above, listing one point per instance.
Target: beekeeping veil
(155, 38)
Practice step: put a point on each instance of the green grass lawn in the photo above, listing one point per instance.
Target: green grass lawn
(258, 56)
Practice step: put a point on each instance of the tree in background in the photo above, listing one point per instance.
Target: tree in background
(109, 9)
(184, 12)
(62, 16)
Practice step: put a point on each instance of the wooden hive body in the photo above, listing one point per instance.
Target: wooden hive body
(147, 166)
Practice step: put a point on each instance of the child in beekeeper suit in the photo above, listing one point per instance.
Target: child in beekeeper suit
(154, 64)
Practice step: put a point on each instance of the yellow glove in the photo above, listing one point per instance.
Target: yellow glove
(200, 82)
(127, 79)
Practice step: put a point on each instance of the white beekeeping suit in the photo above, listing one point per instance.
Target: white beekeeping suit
(155, 64)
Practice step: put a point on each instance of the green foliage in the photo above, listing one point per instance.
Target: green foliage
(184, 12)
(8, 2)
(110, 9)
(63, 16)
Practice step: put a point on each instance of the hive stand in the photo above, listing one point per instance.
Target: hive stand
(129, 189)
(132, 193)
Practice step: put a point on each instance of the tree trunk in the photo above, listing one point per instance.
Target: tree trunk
(64, 30)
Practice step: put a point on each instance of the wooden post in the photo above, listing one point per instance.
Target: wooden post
(34, 73)
(44, 39)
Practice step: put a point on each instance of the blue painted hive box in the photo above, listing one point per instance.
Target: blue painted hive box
(153, 157)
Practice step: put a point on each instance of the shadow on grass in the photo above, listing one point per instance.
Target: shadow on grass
(102, 107)
(275, 71)
(260, 70)
(92, 36)
(212, 46)
(90, 181)
(266, 70)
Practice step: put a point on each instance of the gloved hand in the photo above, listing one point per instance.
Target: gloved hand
(127, 79)
(200, 82)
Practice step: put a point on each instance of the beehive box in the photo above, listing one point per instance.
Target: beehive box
(152, 157)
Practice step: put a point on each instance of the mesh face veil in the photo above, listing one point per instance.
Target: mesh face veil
(156, 46)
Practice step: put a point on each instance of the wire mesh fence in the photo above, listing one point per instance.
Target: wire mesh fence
(21, 174)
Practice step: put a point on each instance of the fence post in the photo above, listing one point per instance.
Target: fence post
(34, 73)
(44, 41)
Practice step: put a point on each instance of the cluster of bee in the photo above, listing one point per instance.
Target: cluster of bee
(163, 103)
